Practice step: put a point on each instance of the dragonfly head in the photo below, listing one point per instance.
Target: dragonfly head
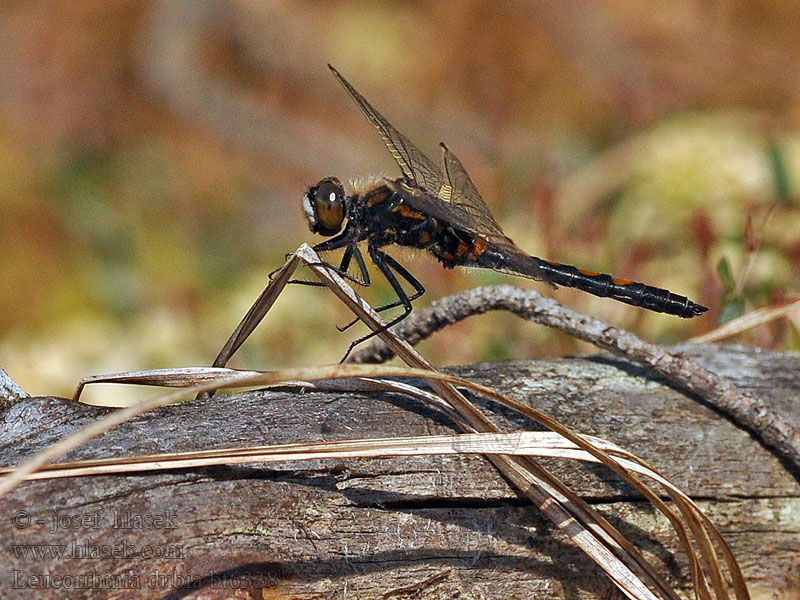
(324, 207)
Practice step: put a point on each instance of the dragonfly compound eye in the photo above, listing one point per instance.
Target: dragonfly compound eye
(324, 207)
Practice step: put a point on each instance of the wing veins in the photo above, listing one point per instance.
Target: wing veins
(450, 197)
(414, 165)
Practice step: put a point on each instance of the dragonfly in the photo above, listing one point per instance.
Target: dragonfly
(439, 210)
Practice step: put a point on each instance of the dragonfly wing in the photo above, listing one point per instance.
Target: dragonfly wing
(451, 198)
(465, 197)
(457, 202)
(514, 260)
(416, 167)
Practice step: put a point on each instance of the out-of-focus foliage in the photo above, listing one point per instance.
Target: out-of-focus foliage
(152, 157)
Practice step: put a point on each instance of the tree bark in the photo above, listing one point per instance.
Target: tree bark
(422, 527)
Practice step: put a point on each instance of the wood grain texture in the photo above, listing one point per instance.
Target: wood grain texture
(9, 389)
(439, 527)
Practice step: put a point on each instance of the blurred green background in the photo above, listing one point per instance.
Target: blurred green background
(153, 154)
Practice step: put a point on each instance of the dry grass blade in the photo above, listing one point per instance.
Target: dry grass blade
(748, 321)
(747, 410)
(564, 509)
(101, 426)
(180, 377)
(626, 567)
(261, 306)
(524, 443)
(517, 444)
(236, 379)
(539, 485)
(690, 516)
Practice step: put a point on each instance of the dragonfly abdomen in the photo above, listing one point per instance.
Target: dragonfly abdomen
(623, 290)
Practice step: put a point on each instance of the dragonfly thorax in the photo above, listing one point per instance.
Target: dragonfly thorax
(324, 207)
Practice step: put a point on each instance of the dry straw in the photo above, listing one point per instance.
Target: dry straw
(513, 454)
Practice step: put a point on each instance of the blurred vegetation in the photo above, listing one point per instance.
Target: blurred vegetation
(152, 157)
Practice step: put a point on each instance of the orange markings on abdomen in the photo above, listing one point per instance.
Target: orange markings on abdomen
(478, 248)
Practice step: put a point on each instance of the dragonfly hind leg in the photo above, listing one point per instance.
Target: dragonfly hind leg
(385, 264)
(418, 291)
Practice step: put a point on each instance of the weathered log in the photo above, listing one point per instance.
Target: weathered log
(426, 527)
(9, 389)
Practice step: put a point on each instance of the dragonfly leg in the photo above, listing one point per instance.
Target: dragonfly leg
(385, 264)
(365, 281)
(401, 270)
(350, 252)
(332, 244)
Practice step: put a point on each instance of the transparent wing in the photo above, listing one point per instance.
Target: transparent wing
(453, 199)
(513, 260)
(416, 167)
(467, 201)
(465, 195)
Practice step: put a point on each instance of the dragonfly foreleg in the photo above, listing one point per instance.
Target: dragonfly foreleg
(350, 252)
